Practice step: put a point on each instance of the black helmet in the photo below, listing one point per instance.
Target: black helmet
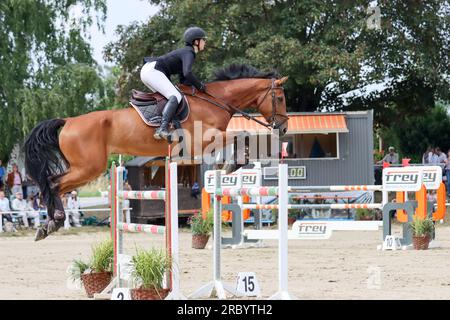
(194, 33)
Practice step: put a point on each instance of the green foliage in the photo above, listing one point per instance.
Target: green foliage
(363, 213)
(77, 269)
(415, 133)
(200, 225)
(102, 257)
(296, 213)
(101, 260)
(324, 47)
(422, 227)
(46, 67)
(115, 158)
(150, 267)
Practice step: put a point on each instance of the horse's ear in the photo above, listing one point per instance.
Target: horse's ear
(280, 82)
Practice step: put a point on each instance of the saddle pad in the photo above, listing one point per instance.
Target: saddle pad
(152, 115)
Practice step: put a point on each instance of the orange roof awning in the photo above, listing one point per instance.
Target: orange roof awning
(308, 123)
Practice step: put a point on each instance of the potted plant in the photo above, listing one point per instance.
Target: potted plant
(201, 229)
(422, 230)
(97, 273)
(364, 214)
(148, 274)
(293, 216)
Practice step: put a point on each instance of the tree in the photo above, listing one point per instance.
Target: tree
(324, 46)
(416, 132)
(46, 66)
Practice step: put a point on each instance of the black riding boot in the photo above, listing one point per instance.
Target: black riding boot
(169, 110)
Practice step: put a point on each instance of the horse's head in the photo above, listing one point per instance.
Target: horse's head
(271, 103)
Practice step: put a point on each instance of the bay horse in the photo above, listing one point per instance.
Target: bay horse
(64, 154)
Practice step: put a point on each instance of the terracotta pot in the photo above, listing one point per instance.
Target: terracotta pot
(199, 241)
(95, 282)
(421, 242)
(365, 218)
(149, 294)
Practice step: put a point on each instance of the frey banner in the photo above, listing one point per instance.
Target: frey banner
(432, 177)
(402, 178)
(242, 178)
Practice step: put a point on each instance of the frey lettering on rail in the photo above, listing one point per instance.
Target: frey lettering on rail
(402, 178)
(312, 229)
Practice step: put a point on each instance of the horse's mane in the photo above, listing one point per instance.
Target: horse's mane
(241, 71)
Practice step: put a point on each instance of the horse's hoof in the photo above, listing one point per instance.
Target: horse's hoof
(59, 215)
(40, 234)
(52, 227)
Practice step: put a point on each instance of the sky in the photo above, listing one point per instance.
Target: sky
(120, 12)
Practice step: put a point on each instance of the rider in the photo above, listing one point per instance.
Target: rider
(155, 74)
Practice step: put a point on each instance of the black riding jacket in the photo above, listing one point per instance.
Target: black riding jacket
(179, 61)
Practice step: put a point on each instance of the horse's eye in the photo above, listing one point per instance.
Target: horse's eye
(280, 99)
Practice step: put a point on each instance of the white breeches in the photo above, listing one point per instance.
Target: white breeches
(157, 81)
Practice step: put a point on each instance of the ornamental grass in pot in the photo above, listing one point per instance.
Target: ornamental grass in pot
(96, 274)
(422, 231)
(364, 214)
(150, 268)
(201, 228)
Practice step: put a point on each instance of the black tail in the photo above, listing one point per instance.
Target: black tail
(44, 159)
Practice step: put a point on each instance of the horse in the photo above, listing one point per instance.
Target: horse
(64, 154)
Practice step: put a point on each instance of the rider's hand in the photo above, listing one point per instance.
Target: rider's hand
(202, 88)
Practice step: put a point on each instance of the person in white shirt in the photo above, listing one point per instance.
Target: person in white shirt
(435, 157)
(426, 157)
(21, 205)
(4, 207)
(74, 205)
(441, 157)
(391, 157)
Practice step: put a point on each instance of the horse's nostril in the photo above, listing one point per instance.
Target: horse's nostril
(284, 130)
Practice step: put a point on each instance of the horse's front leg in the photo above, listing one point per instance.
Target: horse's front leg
(232, 151)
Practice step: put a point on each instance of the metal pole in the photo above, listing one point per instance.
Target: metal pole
(283, 269)
(119, 219)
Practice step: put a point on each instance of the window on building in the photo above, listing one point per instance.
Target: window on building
(317, 146)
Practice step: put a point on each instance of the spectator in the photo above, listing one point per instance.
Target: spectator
(391, 157)
(195, 190)
(14, 180)
(31, 187)
(73, 205)
(441, 157)
(434, 158)
(4, 206)
(20, 204)
(426, 157)
(2, 174)
(447, 172)
(65, 199)
(125, 171)
(34, 208)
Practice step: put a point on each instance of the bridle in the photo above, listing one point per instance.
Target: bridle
(272, 124)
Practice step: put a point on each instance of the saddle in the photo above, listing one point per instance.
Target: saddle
(150, 106)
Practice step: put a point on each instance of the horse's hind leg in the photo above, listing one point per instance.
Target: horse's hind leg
(74, 178)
